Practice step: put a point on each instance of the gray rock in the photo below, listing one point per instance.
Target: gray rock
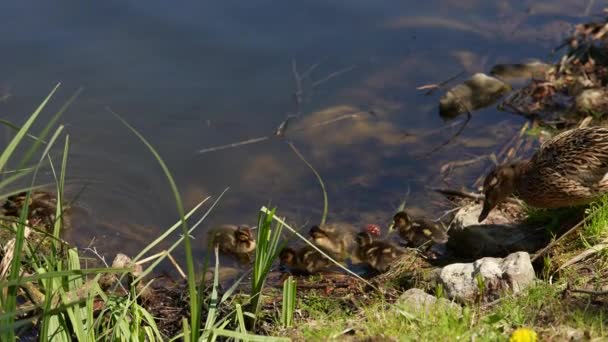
(477, 92)
(421, 302)
(496, 237)
(566, 333)
(462, 281)
(468, 215)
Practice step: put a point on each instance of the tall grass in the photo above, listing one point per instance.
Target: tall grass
(267, 250)
(192, 289)
(67, 301)
(289, 302)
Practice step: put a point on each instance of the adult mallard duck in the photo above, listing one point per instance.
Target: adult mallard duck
(568, 170)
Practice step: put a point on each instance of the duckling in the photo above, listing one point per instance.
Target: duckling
(42, 208)
(306, 260)
(418, 232)
(334, 240)
(378, 254)
(568, 170)
(235, 240)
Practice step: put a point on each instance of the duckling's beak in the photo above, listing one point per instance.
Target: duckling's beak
(391, 228)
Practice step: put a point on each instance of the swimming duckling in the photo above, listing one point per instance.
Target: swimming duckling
(570, 169)
(235, 240)
(42, 208)
(378, 254)
(418, 232)
(306, 260)
(334, 240)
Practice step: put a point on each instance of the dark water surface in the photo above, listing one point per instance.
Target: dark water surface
(195, 74)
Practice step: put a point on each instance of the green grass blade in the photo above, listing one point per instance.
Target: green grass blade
(319, 179)
(60, 186)
(17, 128)
(179, 241)
(194, 315)
(240, 319)
(168, 232)
(10, 148)
(289, 302)
(47, 128)
(59, 274)
(233, 288)
(248, 337)
(213, 300)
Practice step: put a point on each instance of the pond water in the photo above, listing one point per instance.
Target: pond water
(208, 73)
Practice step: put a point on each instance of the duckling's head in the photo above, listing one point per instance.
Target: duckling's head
(244, 234)
(364, 239)
(401, 220)
(317, 233)
(287, 256)
(498, 185)
(245, 241)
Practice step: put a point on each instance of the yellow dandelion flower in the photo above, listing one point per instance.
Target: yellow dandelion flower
(523, 335)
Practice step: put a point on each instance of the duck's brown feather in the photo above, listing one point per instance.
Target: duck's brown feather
(569, 169)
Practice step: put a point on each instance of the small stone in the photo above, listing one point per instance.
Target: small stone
(496, 237)
(121, 261)
(462, 280)
(566, 333)
(420, 301)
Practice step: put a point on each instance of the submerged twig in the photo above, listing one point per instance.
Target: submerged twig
(458, 132)
(449, 166)
(459, 193)
(236, 144)
(297, 95)
(332, 75)
(433, 87)
(325, 201)
(260, 139)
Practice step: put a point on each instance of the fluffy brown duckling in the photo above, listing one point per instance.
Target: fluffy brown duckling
(42, 208)
(234, 240)
(334, 240)
(306, 260)
(418, 232)
(570, 169)
(378, 254)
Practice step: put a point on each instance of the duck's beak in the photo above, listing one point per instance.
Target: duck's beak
(487, 207)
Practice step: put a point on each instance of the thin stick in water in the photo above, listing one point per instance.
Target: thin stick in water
(325, 201)
(236, 144)
(332, 75)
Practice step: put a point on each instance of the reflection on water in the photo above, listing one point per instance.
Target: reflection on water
(204, 74)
